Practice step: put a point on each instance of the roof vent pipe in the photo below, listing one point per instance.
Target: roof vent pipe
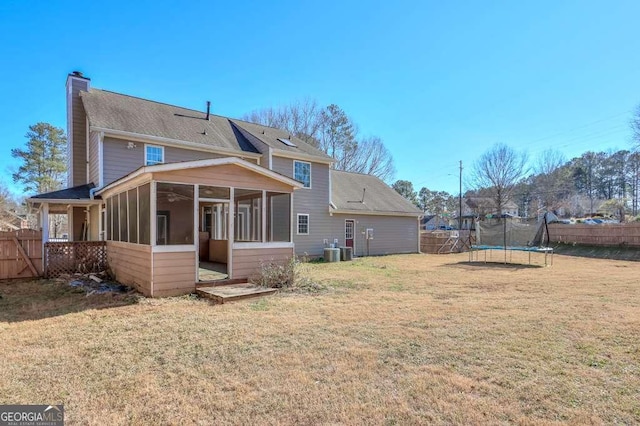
(208, 109)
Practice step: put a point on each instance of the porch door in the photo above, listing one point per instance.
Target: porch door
(349, 226)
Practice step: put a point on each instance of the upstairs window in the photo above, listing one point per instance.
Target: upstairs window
(153, 155)
(302, 172)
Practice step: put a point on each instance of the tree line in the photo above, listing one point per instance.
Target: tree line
(596, 182)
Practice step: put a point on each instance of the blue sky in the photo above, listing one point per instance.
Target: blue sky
(438, 81)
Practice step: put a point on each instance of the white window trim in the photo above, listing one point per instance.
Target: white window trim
(146, 145)
(298, 224)
(294, 172)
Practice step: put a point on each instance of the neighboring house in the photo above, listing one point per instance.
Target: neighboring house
(12, 221)
(482, 206)
(174, 190)
(434, 222)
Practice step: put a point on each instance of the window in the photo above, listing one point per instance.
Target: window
(153, 155)
(174, 209)
(144, 226)
(303, 224)
(248, 206)
(132, 195)
(287, 142)
(124, 230)
(126, 216)
(302, 172)
(115, 204)
(278, 217)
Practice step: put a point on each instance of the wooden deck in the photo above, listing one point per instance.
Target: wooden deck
(233, 292)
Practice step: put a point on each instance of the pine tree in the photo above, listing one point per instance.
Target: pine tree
(44, 159)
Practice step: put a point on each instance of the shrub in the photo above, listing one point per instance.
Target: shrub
(274, 274)
(287, 275)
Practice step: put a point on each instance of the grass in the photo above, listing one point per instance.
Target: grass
(601, 252)
(395, 340)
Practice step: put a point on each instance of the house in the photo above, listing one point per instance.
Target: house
(175, 191)
(12, 221)
(434, 222)
(482, 206)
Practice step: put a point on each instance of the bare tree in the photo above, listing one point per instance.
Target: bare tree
(302, 118)
(498, 171)
(635, 127)
(332, 131)
(371, 157)
(549, 161)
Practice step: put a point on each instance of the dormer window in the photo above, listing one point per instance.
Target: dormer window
(153, 155)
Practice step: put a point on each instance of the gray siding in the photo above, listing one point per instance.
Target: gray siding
(391, 234)
(119, 160)
(172, 154)
(77, 133)
(313, 201)
(94, 158)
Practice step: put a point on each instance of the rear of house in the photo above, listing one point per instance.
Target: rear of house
(182, 196)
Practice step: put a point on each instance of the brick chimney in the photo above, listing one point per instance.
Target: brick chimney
(77, 133)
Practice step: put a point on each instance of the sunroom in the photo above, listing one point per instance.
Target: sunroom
(171, 226)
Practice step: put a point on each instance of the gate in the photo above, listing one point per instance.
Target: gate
(20, 254)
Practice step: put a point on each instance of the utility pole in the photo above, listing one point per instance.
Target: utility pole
(460, 200)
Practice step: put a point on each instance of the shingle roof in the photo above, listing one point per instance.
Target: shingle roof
(270, 136)
(76, 193)
(475, 202)
(349, 189)
(116, 111)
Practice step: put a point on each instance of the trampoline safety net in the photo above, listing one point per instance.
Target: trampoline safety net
(512, 232)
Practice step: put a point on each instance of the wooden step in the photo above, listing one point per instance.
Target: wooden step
(233, 292)
(218, 283)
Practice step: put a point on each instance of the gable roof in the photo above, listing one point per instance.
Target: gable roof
(194, 164)
(488, 202)
(270, 136)
(123, 113)
(365, 194)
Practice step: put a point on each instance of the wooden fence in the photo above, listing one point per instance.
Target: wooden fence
(20, 254)
(614, 234)
(75, 257)
(443, 242)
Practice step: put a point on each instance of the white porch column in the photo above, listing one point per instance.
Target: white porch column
(218, 233)
(232, 224)
(44, 220)
(263, 225)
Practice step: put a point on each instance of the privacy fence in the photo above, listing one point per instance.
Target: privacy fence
(613, 235)
(442, 242)
(20, 254)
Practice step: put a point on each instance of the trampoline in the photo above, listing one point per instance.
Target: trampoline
(508, 234)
